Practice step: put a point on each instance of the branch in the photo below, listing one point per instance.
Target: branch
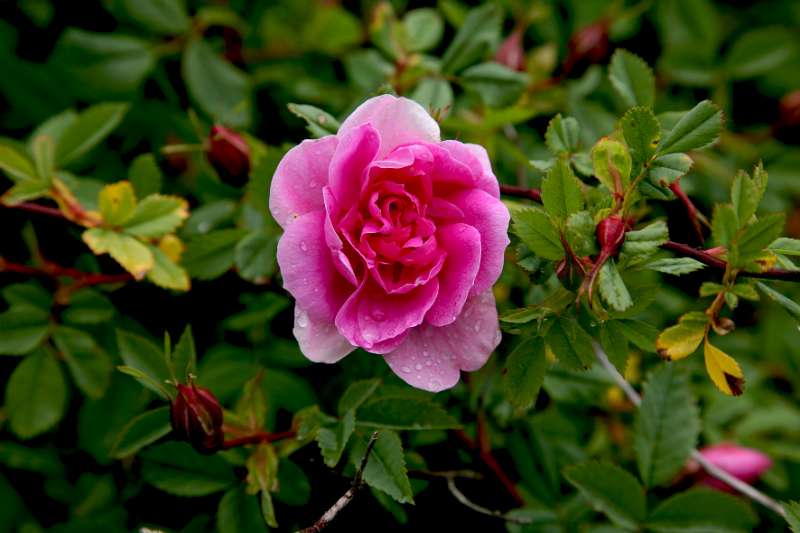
(717, 263)
(52, 270)
(347, 497)
(257, 438)
(463, 500)
(489, 460)
(691, 210)
(521, 192)
(713, 470)
(35, 208)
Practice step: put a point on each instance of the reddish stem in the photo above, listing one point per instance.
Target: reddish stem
(52, 270)
(691, 210)
(521, 192)
(491, 463)
(257, 438)
(36, 208)
(715, 262)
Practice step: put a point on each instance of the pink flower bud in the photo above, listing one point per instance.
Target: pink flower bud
(228, 153)
(610, 234)
(743, 463)
(196, 417)
(511, 53)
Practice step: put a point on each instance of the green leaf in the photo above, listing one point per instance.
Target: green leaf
(221, 90)
(176, 468)
(632, 78)
(239, 512)
(682, 339)
(610, 490)
(22, 328)
(24, 191)
(562, 135)
(43, 150)
(211, 255)
(551, 305)
(319, 122)
(724, 224)
(332, 440)
(534, 228)
(16, 164)
(646, 240)
(675, 265)
(667, 168)
(356, 394)
(615, 344)
(744, 197)
(91, 367)
(479, 32)
(423, 29)
(166, 273)
(702, 510)
(386, 467)
(611, 161)
(524, 372)
(561, 191)
(793, 515)
(642, 133)
(788, 304)
(760, 51)
(141, 354)
(698, 128)
(117, 202)
(496, 84)
(255, 256)
(404, 413)
(640, 333)
(88, 130)
(36, 395)
(132, 254)
(141, 431)
(667, 425)
(184, 357)
(760, 234)
(570, 343)
(580, 233)
(612, 288)
(435, 95)
(145, 176)
(294, 488)
(785, 246)
(165, 17)
(157, 215)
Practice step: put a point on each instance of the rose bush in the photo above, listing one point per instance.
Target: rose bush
(393, 240)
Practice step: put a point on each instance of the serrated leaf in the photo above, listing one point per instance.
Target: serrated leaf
(536, 230)
(698, 128)
(356, 394)
(667, 168)
(239, 512)
(117, 202)
(25, 190)
(561, 191)
(211, 255)
(87, 307)
(785, 246)
(423, 29)
(36, 395)
(43, 149)
(612, 288)
(612, 164)
(141, 431)
(640, 333)
(667, 425)
(724, 224)
(480, 30)
(145, 176)
(744, 197)
(184, 356)
(22, 328)
(386, 467)
(793, 515)
(580, 233)
(615, 344)
(682, 339)
(16, 165)
(724, 371)
(435, 95)
(496, 84)
(562, 135)
(640, 244)
(319, 122)
(760, 234)
(176, 468)
(333, 439)
(255, 256)
(551, 305)
(632, 78)
(702, 510)
(675, 266)
(404, 413)
(788, 304)
(91, 126)
(141, 354)
(166, 273)
(89, 364)
(570, 343)
(611, 490)
(642, 133)
(157, 215)
(133, 255)
(524, 372)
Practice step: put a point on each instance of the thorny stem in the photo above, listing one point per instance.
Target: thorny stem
(257, 438)
(347, 497)
(521, 192)
(52, 270)
(713, 470)
(694, 215)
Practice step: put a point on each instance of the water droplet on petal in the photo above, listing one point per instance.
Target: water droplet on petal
(435, 384)
(406, 369)
(301, 319)
(428, 362)
(425, 353)
(303, 246)
(378, 315)
(477, 327)
(418, 366)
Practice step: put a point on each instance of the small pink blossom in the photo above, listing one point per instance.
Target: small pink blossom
(393, 240)
(743, 463)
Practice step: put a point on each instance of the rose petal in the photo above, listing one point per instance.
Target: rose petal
(296, 187)
(398, 121)
(370, 316)
(431, 358)
(356, 150)
(475, 157)
(462, 243)
(319, 340)
(490, 217)
(308, 270)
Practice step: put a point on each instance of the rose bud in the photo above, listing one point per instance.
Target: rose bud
(196, 417)
(588, 45)
(743, 463)
(229, 154)
(511, 53)
(610, 234)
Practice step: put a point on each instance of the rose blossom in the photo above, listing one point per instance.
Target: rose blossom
(743, 463)
(393, 240)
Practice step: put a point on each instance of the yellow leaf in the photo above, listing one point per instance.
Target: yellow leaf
(612, 162)
(117, 202)
(724, 371)
(682, 339)
(172, 246)
(126, 250)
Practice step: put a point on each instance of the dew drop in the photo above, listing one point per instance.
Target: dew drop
(435, 384)
(418, 366)
(428, 362)
(301, 319)
(477, 327)
(303, 246)
(406, 369)
(425, 353)
(378, 315)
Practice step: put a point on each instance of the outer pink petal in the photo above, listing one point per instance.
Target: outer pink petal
(296, 187)
(319, 340)
(356, 150)
(398, 121)
(370, 316)
(476, 158)
(490, 217)
(462, 243)
(308, 270)
(431, 358)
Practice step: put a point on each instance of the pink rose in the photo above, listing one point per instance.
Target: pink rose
(746, 464)
(393, 240)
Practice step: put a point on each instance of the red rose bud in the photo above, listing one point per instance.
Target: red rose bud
(196, 417)
(229, 154)
(588, 45)
(743, 463)
(610, 234)
(511, 53)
